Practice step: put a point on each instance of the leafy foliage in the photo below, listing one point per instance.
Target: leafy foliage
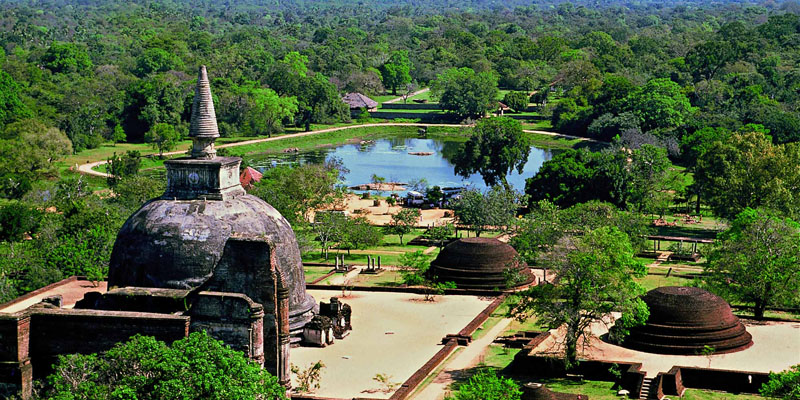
(196, 367)
(757, 261)
(486, 385)
(783, 385)
(492, 209)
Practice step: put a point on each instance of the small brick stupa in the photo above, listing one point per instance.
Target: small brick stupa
(481, 263)
(684, 320)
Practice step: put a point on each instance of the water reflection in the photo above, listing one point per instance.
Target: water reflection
(390, 159)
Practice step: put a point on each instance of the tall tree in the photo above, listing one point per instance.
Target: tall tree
(757, 261)
(660, 104)
(396, 70)
(748, 170)
(496, 147)
(494, 208)
(163, 137)
(403, 222)
(466, 93)
(593, 278)
(11, 107)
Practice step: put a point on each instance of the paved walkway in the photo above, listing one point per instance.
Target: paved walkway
(88, 168)
(471, 356)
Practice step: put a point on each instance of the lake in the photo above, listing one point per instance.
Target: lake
(390, 158)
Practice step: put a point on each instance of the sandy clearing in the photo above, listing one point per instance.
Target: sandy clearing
(393, 333)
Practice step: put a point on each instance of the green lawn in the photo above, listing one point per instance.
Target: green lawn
(384, 97)
(422, 96)
(385, 278)
(313, 273)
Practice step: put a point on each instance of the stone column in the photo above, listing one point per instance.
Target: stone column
(284, 371)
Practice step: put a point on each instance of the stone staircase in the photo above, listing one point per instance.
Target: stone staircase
(646, 392)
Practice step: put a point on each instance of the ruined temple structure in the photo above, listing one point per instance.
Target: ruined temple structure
(481, 263)
(684, 320)
(204, 256)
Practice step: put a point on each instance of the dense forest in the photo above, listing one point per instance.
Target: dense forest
(75, 74)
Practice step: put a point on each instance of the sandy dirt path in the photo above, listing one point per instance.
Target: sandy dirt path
(456, 368)
(399, 99)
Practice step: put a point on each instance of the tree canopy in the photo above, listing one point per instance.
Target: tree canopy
(466, 93)
(496, 147)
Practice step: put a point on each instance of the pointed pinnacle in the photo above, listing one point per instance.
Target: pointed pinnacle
(204, 118)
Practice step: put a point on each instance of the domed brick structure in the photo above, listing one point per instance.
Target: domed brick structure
(178, 240)
(480, 263)
(684, 320)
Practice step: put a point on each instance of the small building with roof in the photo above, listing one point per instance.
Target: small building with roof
(358, 101)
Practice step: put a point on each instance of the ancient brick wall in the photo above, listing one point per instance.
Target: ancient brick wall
(59, 331)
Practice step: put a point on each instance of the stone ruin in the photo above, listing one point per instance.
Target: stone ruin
(203, 256)
(333, 322)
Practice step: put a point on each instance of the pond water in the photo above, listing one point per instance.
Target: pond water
(390, 159)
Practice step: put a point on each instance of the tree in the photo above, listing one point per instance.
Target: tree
(757, 261)
(65, 57)
(486, 385)
(118, 136)
(403, 222)
(156, 60)
(518, 101)
(195, 367)
(660, 104)
(466, 93)
(11, 106)
(265, 110)
(162, 137)
(18, 219)
(494, 208)
(121, 167)
(297, 190)
(28, 152)
(434, 194)
(496, 148)
(327, 227)
(358, 233)
(783, 385)
(440, 233)
(395, 71)
(594, 277)
(570, 177)
(748, 170)
(157, 98)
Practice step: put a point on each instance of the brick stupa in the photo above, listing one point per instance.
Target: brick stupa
(687, 320)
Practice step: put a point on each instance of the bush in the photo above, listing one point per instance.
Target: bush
(486, 385)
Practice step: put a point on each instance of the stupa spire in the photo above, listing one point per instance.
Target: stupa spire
(203, 128)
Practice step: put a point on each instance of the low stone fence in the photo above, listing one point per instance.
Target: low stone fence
(410, 106)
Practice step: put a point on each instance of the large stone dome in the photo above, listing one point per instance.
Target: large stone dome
(178, 240)
(178, 243)
(480, 263)
(684, 320)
